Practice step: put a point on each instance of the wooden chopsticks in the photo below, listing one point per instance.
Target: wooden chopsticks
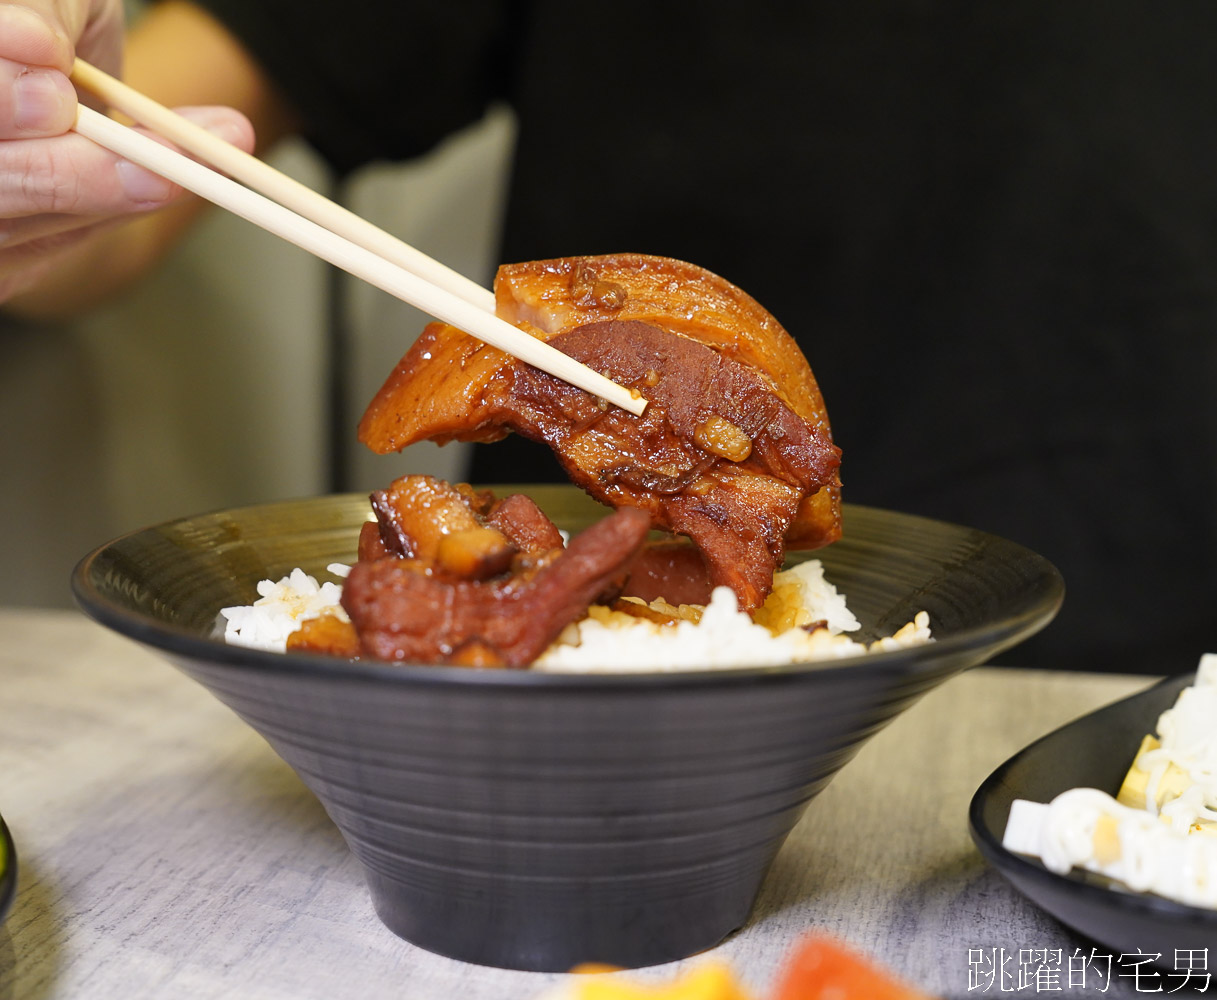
(312, 222)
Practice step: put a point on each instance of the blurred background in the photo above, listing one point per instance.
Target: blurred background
(992, 228)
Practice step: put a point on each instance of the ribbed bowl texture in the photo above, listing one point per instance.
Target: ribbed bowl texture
(537, 821)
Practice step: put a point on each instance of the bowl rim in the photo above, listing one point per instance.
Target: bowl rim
(179, 641)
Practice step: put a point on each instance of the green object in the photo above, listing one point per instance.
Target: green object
(8, 870)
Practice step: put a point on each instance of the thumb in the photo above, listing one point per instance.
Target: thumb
(35, 101)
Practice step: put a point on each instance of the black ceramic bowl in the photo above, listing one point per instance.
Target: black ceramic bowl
(1094, 751)
(536, 821)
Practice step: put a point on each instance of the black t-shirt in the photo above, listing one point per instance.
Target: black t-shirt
(991, 227)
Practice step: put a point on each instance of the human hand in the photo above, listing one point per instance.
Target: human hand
(56, 187)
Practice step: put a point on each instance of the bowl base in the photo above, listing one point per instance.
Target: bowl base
(546, 932)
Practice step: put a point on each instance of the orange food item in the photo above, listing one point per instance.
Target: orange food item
(706, 982)
(326, 634)
(821, 968)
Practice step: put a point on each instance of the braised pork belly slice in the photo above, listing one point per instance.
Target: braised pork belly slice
(451, 387)
(717, 456)
(414, 610)
(447, 574)
(553, 296)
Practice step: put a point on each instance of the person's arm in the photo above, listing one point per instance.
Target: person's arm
(70, 256)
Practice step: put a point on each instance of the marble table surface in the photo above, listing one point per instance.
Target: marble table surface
(165, 851)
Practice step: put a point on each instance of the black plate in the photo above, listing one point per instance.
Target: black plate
(8, 870)
(1092, 752)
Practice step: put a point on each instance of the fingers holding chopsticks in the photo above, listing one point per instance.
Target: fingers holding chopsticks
(53, 190)
(66, 173)
(57, 190)
(40, 41)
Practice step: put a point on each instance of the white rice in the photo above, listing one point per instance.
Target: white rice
(281, 608)
(723, 637)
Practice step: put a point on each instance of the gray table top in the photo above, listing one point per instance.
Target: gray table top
(165, 851)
